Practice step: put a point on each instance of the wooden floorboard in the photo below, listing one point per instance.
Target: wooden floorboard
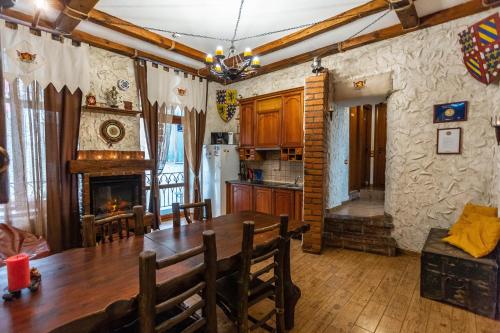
(349, 291)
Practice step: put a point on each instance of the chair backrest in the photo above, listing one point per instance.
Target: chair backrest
(250, 256)
(157, 298)
(106, 227)
(203, 211)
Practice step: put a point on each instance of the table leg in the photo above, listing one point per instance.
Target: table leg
(291, 291)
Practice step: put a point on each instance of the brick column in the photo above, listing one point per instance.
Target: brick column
(315, 168)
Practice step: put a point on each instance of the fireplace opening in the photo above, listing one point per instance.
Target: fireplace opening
(113, 195)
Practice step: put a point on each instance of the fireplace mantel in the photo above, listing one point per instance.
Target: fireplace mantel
(112, 166)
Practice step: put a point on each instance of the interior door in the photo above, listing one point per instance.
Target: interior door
(380, 144)
(4, 156)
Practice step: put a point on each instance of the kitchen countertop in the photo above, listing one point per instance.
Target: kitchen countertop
(288, 186)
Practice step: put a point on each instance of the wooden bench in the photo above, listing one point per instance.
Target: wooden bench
(452, 276)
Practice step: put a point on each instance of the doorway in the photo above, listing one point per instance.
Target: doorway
(367, 147)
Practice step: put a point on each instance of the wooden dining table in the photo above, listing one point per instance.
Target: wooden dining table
(84, 289)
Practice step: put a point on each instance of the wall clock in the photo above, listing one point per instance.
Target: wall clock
(123, 85)
(112, 131)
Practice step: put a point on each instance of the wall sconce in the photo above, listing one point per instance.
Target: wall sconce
(495, 122)
(316, 65)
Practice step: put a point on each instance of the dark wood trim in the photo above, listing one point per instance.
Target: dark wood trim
(108, 110)
(72, 14)
(466, 9)
(88, 166)
(114, 23)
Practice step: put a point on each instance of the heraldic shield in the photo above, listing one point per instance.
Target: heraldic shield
(481, 49)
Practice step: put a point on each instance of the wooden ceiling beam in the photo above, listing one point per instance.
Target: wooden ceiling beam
(114, 23)
(99, 42)
(334, 22)
(466, 9)
(72, 14)
(407, 13)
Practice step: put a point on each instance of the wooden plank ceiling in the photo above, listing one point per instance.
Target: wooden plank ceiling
(72, 12)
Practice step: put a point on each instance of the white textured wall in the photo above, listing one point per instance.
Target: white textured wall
(423, 189)
(106, 69)
(338, 173)
(214, 121)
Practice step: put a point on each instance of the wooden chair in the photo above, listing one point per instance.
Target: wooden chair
(239, 291)
(106, 227)
(203, 211)
(156, 300)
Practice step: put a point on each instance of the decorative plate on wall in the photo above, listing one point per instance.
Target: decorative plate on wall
(112, 131)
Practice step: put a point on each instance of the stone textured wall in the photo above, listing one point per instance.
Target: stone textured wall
(423, 189)
(337, 134)
(106, 69)
(214, 121)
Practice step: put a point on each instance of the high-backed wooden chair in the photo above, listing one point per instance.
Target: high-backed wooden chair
(238, 292)
(99, 230)
(203, 211)
(156, 300)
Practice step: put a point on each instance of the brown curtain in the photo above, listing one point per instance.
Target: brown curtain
(194, 133)
(62, 123)
(150, 114)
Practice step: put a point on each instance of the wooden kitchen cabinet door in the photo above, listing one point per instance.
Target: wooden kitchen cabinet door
(299, 211)
(263, 199)
(292, 130)
(284, 202)
(268, 122)
(246, 124)
(241, 199)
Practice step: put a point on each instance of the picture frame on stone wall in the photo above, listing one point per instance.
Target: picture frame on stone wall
(449, 141)
(451, 112)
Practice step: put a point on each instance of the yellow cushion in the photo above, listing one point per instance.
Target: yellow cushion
(469, 209)
(476, 234)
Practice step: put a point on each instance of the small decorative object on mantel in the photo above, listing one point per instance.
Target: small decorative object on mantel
(90, 99)
(481, 49)
(112, 97)
(127, 105)
(112, 131)
(19, 276)
(226, 103)
(449, 140)
(123, 85)
(495, 122)
(450, 112)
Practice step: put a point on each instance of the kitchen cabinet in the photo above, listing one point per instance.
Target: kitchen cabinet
(284, 202)
(241, 198)
(246, 124)
(263, 199)
(292, 129)
(268, 122)
(299, 201)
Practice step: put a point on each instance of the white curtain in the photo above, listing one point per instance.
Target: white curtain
(170, 89)
(25, 120)
(29, 58)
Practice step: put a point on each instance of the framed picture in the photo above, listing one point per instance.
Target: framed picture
(450, 112)
(449, 140)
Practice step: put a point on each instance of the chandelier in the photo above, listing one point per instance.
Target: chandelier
(235, 66)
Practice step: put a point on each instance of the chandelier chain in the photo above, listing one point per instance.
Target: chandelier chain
(237, 22)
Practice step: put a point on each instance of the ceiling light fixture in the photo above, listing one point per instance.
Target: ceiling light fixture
(235, 66)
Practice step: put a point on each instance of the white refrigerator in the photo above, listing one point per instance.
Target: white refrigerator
(220, 163)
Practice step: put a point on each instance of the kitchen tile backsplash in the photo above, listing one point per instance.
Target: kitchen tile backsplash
(275, 170)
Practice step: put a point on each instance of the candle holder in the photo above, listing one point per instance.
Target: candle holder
(35, 280)
(495, 123)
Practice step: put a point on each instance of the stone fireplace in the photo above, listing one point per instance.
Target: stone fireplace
(111, 182)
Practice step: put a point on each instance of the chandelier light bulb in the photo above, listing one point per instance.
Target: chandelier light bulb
(219, 51)
(247, 53)
(255, 62)
(40, 4)
(209, 59)
(218, 68)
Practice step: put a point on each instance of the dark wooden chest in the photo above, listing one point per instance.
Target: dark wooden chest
(452, 276)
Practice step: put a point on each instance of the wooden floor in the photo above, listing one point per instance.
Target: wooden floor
(348, 291)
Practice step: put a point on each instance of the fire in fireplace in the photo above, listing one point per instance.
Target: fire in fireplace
(112, 195)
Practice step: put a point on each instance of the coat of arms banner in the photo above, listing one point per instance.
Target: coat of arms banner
(481, 49)
(226, 104)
